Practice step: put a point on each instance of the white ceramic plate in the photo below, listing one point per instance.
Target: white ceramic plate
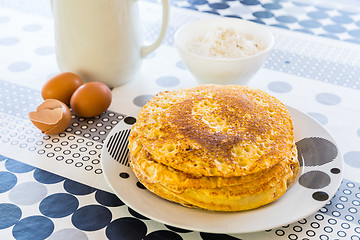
(319, 178)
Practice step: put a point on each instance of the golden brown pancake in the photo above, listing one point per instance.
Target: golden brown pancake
(225, 148)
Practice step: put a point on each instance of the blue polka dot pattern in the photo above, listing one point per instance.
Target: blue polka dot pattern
(318, 15)
(4, 19)
(44, 50)
(46, 177)
(280, 87)
(286, 19)
(213, 236)
(77, 188)
(181, 65)
(141, 100)
(27, 193)
(32, 28)
(272, 6)
(17, 167)
(97, 217)
(34, 228)
(250, 2)
(167, 81)
(198, 2)
(263, 14)
(354, 33)
(9, 41)
(58, 205)
(310, 24)
(175, 229)
(328, 98)
(163, 234)
(352, 159)
(7, 181)
(65, 233)
(19, 66)
(334, 28)
(343, 19)
(108, 199)
(126, 228)
(136, 214)
(219, 5)
(10, 214)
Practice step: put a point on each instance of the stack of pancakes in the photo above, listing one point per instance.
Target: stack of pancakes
(223, 148)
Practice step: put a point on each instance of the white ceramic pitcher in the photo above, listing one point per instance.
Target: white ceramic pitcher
(101, 40)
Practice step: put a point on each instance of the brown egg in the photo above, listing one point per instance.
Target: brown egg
(51, 117)
(61, 87)
(91, 99)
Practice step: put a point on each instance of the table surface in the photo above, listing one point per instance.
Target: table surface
(53, 186)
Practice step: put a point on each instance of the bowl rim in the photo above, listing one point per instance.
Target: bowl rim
(224, 20)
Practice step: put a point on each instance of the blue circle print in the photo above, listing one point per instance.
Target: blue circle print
(10, 214)
(263, 14)
(329, 36)
(219, 5)
(77, 188)
(175, 229)
(310, 24)
(303, 30)
(46, 177)
(250, 2)
(58, 205)
(354, 33)
(4, 19)
(334, 28)
(34, 228)
(328, 98)
(19, 66)
(91, 217)
(2, 158)
(280, 87)
(7, 181)
(286, 19)
(318, 15)
(108, 199)
(126, 228)
(162, 235)
(167, 81)
(342, 19)
(198, 2)
(9, 41)
(137, 215)
(17, 167)
(32, 28)
(210, 236)
(272, 6)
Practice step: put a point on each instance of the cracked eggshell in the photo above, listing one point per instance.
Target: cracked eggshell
(51, 117)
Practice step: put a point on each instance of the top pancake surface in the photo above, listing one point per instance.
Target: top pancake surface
(215, 130)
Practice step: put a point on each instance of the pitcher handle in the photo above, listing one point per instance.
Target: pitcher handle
(145, 50)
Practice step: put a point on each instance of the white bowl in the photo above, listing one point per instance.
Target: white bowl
(222, 70)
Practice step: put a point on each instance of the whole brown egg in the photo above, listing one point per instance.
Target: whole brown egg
(91, 99)
(61, 87)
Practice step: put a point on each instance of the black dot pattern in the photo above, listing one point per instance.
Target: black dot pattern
(316, 151)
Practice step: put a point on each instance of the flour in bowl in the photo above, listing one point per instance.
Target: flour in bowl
(225, 42)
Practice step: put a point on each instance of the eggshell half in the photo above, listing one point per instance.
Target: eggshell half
(51, 117)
